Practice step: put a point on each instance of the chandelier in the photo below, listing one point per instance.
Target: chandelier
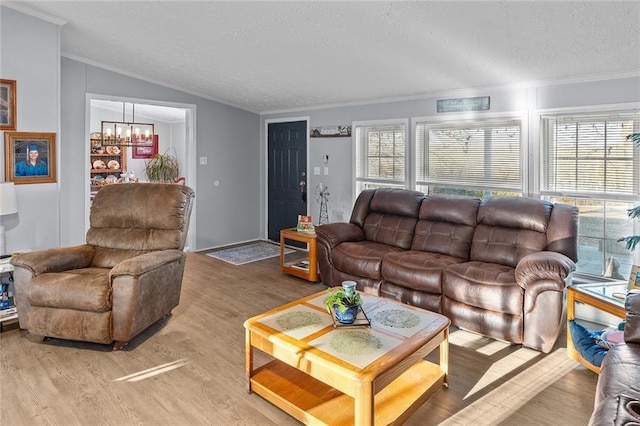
(127, 133)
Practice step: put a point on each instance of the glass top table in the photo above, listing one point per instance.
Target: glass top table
(607, 297)
(613, 293)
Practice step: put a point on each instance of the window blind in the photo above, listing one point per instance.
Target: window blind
(589, 154)
(380, 152)
(473, 154)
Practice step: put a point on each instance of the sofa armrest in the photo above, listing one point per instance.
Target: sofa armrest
(544, 270)
(144, 289)
(632, 324)
(544, 277)
(332, 234)
(55, 260)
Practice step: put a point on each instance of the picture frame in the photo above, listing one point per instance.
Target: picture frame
(634, 278)
(8, 109)
(330, 131)
(145, 150)
(29, 157)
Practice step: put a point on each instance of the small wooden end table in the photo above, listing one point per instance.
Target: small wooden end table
(297, 268)
(599, 296)
(327, 375)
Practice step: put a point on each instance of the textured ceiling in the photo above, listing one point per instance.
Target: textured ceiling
(273, 56)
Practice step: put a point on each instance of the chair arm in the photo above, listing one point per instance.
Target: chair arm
(332, 234)
(632, 324)
(144, 263)
(55, 260)
(144, 289)
(544, 270)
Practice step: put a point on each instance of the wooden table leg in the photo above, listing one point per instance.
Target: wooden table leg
(444, 357)
(364, 405)
(248, 353)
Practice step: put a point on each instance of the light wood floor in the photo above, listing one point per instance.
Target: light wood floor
(189, 368)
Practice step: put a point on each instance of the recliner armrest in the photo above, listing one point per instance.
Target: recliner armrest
(139, 265)
(332, 234)
(548, 268)
(55, 260)
(632, 325)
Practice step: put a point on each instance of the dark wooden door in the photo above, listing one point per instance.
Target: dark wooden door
(287, 175)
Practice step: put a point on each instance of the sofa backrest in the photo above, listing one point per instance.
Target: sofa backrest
(509, 228)
(446, 225)
(388, 215)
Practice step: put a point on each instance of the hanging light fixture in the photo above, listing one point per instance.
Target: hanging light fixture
(125, 133)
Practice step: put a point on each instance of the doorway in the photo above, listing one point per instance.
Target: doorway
(174, 127)
(286, 175)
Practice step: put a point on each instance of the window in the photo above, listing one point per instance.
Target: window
(479, 157)
(380, 155)
(587, 161)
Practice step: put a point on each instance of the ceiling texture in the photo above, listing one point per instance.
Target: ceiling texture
(265, 56)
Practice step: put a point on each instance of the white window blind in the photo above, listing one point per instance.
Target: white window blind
(480, 154)
(380, 153)
(589, 154)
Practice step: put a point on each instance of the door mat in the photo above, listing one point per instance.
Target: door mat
(249, 253)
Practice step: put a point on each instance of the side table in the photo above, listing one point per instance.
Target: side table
(7, 268)
(297, 268)
(598, 296)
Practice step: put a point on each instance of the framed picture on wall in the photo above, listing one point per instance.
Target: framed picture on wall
(29, 157)
(145, 149)
(634, 278)
(7, 104)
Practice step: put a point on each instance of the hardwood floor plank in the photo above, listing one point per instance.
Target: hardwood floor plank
(188, 369)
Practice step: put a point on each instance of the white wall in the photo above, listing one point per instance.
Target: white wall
(29, 54)
(527, 101)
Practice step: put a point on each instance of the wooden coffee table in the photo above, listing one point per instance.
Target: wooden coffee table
(321, 374)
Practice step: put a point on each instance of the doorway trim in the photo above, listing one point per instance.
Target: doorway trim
(189, 153)
(265, 138)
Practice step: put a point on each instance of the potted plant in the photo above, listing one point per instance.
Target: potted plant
(162, 168)
(345, 302)
(633, 240)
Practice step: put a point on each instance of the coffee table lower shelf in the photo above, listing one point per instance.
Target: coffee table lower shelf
(315, 403)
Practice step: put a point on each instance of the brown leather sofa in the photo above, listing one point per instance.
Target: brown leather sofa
(497, 266)
(617, 398)
(127, 276)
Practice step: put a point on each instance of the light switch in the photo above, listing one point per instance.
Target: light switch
(203, 161)
(326, 170)
(316, 171)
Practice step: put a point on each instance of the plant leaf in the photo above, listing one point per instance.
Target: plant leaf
(631, 242)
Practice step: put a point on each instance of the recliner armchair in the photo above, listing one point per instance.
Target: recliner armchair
(126, 277)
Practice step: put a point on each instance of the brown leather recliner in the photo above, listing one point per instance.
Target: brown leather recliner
(126, 277)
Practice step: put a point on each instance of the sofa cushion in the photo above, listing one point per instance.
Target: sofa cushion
(416, 270)
(396, 231)
(488, 286)
(86, 289)
(446, 225)
(509, 228)
(362, 259)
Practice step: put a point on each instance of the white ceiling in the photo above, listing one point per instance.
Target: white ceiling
(272, 56)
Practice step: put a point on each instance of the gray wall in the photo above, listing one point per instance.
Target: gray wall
(29, 54)
(52, 96)
(529, 102)
(228, 136)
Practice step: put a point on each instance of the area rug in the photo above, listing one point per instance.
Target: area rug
(249, 253)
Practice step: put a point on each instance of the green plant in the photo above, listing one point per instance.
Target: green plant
(634, 213)
(162, 168)
(339, 298)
